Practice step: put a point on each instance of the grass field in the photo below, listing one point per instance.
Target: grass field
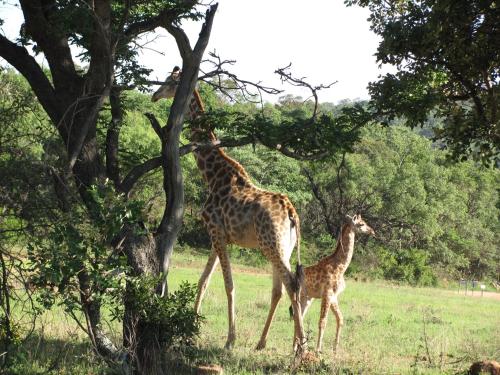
(388, 329)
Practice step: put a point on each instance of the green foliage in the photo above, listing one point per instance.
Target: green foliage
(179, 323)
(10, 334)
(447, 54)
(79, 245)
(138, 142)
(22, 196)
(409, 266)
(274, 172)
(26, 143)
(414, 200)
(305, 138)
(75, 246)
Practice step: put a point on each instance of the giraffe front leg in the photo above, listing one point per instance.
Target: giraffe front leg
(230, 292)
(212, 262)
(275, 298)
(325, 304)
(340, 322)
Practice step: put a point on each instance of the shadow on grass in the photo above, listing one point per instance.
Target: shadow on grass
(41, 355)
(189, 359)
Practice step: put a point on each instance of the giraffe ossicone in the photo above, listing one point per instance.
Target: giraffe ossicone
(238, 212)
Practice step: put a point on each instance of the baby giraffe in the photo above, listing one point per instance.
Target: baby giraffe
(325, 279)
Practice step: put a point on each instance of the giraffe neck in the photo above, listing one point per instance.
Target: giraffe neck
(216, 167)
(342, 255)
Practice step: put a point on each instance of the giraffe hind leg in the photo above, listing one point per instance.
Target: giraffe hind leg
(340, 323)
(305, 303)
(289, 281)
(220, 248)
(275, 298)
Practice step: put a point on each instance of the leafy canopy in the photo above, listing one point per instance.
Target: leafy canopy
(448, 56)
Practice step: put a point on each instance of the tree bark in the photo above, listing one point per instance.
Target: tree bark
(112, 137)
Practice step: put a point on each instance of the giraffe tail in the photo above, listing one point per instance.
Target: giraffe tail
(299, 270)
(299, 285)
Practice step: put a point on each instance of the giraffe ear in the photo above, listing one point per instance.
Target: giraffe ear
(176, 73)
(348, 218)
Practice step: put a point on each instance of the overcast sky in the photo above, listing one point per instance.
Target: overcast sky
(323, 39)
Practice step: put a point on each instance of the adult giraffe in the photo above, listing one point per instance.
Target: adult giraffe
(238, 212)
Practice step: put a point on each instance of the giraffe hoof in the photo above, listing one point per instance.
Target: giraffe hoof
(229, 345)
(261, 345)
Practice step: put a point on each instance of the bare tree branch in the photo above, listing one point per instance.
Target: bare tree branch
(219, 77)
(330, 226)
(182, 41)
(155, 124)
(286, 76)
(226, 82)
(171, 222)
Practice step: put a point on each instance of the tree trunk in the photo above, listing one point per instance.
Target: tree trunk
(141, 339)
(171, 222)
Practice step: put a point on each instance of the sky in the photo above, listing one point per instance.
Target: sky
(323, 39)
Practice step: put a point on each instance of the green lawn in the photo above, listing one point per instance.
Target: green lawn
(388, 329)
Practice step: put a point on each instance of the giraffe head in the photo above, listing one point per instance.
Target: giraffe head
(167, 90)
(359, 225)
(196, 107)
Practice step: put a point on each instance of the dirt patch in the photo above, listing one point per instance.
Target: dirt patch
(486, 295)
(477, 294)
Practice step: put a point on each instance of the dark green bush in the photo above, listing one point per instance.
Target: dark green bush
(406, 265)
(179, 323)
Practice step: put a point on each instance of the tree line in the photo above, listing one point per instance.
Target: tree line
(434, 219)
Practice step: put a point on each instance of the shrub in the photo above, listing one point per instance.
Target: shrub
(407, 265)
(179, 323)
